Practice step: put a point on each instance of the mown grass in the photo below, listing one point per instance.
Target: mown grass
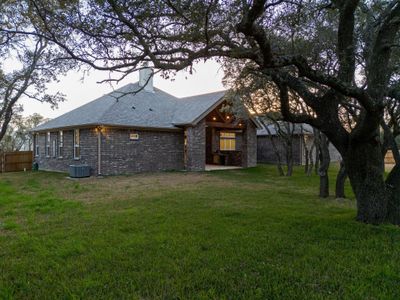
(242, 234)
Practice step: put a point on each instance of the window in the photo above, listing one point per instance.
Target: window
(77, 153)
(60, 143)
(36, 144)
(54, 148)
(227, 141)
(48, 145)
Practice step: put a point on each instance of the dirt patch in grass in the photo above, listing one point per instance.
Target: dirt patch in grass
(142, 186)
(128, 187)
(134, 186)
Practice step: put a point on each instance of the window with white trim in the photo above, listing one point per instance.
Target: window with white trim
(227, 141)
(54, 148)
(60, 143)
(48, 144)
(77, 152)
(36, 144)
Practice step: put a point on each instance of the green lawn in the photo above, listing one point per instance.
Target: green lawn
(242, 234)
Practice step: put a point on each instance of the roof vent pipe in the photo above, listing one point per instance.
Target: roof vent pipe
(146, 78)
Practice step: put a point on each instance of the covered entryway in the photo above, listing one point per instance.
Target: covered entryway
(220, 139)
(224, 138)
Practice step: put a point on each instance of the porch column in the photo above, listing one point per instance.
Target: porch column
(249, 145)
(196, 147)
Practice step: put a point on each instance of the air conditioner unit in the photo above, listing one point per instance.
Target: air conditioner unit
(79, 171)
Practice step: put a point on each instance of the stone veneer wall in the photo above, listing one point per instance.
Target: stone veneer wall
(153, 151)
(249, 145)
(88, 149)
(196, 147)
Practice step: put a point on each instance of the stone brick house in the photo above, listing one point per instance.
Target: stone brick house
(139, 128)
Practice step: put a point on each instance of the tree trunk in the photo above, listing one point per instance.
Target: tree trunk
(311, 160)
(288, 140)
(364, 165)
(324, 166)
(307, 162)
(289, 160)
(393, 179)
(280, 169)
(317, 142)
(276, 150)
(306, 154)
(278, 156)
(393, 188)
(340, 181)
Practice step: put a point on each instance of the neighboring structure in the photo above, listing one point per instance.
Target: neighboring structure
(140, 128)
(301, 133)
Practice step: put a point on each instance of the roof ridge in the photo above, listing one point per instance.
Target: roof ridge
(205, 94)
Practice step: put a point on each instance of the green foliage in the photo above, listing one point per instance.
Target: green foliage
(18, 136)
(243, 234)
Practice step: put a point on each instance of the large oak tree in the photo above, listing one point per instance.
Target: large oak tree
(339, 57)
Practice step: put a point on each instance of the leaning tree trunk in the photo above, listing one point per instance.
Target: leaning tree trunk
(324, 166)
(340, 181)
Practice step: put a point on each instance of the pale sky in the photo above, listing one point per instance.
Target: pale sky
(206, 78)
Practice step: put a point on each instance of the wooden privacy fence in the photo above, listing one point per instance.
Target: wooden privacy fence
(16, 161)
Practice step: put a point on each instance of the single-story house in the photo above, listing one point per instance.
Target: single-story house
(301, 133)
(140, 128)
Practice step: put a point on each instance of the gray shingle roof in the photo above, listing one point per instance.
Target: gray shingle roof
(142, 109)
(298, 129)
(190, 108)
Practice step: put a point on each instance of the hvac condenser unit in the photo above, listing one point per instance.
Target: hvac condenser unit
(79, 171)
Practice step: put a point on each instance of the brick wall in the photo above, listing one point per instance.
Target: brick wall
(196, 147)
(153, 151)
(249, 145)
(88, 148)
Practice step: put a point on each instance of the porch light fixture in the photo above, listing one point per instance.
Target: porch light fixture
(100, 129)
(228, 117)
(214, 118)
(134, 136)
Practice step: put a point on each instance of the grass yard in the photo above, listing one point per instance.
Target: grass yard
(241, 234)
